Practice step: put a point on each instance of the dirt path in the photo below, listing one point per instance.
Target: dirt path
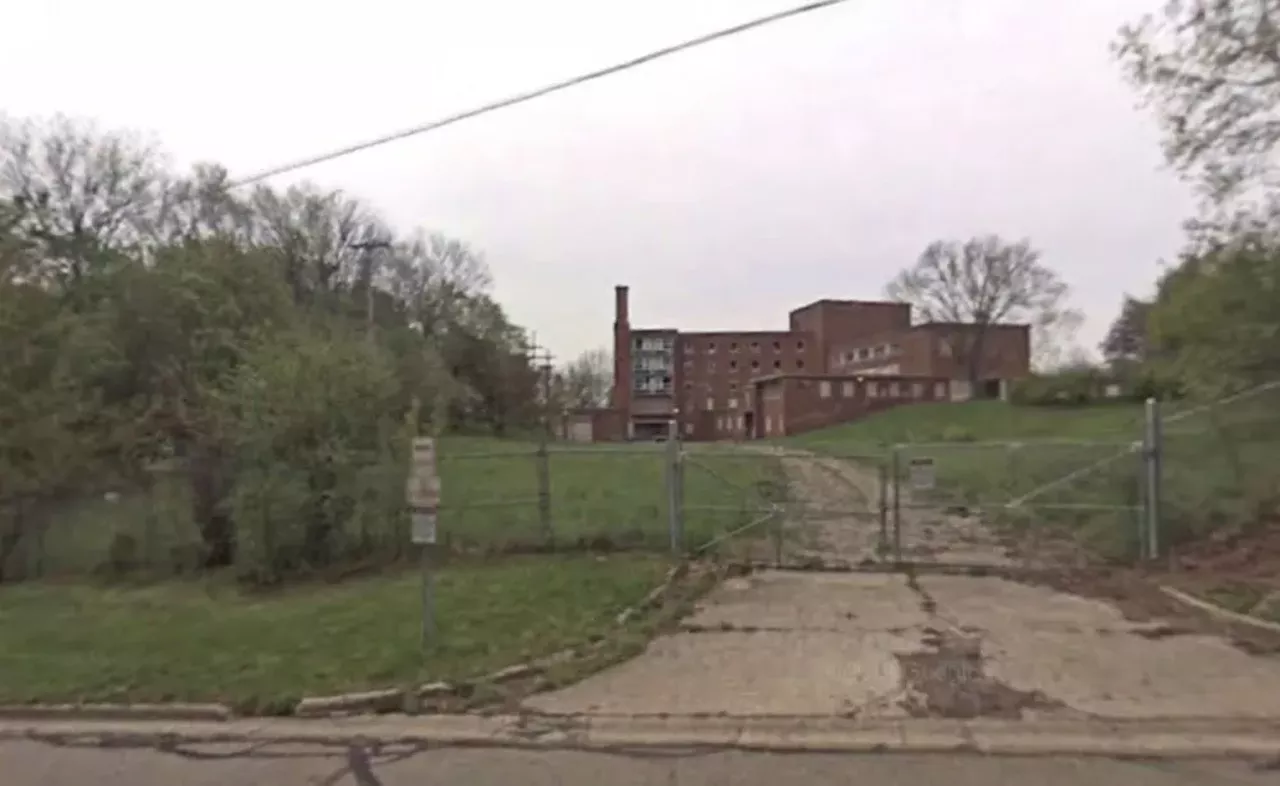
(851, 532)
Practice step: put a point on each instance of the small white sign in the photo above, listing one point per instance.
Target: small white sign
(923, 475)
(422, 492)
(424, 528)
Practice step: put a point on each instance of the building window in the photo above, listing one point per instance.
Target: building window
(710, 404)
(824, 389)
(755, 365)
(733, 403)
(688, 386)
(733, 387)
(755, 346)
(711, 347)
(940, 390)
(800, 346)
(894, 390)
(768, 424)
(846, 389)
(917, 390)
(873, 390)
(733, 365)
(777, 346)
(777, 364)
(742, 422)
(799, 364)
(688, 365)
(733, 347)
(848, 357)
(688, 429)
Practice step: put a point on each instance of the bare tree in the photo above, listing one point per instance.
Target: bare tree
(1211, 71)
(982, 281)
(585, 382)
(81, 190)
(318, 236)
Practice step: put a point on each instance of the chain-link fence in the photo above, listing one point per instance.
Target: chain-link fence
(1190, 471)
(1220, 466)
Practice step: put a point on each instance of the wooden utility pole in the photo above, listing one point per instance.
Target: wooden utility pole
(368, 247)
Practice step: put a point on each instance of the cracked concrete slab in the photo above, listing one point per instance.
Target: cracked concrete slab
(886, 646)
(827, 647)
(1084, 653)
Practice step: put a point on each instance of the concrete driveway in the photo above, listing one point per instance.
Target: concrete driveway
(886, 645)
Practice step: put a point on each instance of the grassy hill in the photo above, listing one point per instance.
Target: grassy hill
(1078, 469)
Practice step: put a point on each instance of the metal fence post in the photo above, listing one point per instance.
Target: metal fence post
(674, 472)
(543, 460)
(895, 471)
(883, 506)
(1152, 439)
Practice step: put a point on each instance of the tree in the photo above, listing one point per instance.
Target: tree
(1211, 71)
(982, 281)
(81, 192)
(1213, 324)
(585, 382)
(1126, 340)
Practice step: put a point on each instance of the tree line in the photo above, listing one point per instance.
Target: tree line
(279, 344)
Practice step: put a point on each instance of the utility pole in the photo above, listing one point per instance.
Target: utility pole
(540, 359)
(368, 247)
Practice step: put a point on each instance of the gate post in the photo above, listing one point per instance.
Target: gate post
(895, 471)
(1152, 443)
(883, 505)
(675, 478)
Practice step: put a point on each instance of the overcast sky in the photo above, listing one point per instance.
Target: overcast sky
(808, 159)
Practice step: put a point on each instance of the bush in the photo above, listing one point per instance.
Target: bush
(319, 453)
(1071, 387)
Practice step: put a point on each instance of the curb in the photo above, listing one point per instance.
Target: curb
(1154, 740)
(389, 700)
(136, 712)
(1214, 610)
(409, 699)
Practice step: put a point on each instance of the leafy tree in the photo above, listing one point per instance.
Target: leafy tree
(983, 281)
(1210, 70)
(1214, 323)
(1126, 339)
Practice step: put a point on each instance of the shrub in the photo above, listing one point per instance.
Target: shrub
(319, 453)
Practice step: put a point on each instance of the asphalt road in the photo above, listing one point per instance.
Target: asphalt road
(40, 764)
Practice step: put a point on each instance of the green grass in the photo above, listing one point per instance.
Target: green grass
(619, 493)
(206, 641)
(614, 495)
(987, 454)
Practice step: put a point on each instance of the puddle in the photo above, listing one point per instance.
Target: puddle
(948, 681)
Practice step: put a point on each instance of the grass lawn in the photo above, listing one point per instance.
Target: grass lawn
(206, 641)
(489, 497)
(989, 453)
(489, 492)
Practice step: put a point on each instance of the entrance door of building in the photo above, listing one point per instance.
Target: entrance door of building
(749, 425)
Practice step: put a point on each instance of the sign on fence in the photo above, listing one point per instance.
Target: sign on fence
(922, 473)
(423, 491)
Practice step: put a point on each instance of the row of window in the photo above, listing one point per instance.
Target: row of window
(733, 365)
(848, 389)
(869, 353)
(690, 348)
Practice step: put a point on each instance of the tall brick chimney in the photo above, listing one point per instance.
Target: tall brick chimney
(621, 396)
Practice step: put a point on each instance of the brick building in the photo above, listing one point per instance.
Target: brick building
(838, 360)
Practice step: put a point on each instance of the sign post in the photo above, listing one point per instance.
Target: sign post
(423, 496)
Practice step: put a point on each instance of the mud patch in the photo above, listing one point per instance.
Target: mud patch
(947, 680)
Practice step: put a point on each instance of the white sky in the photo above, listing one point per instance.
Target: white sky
(808, 159)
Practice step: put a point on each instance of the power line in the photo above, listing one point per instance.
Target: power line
(521, 98)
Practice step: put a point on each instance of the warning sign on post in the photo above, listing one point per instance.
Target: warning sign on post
(423, 491)
(922, 473)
